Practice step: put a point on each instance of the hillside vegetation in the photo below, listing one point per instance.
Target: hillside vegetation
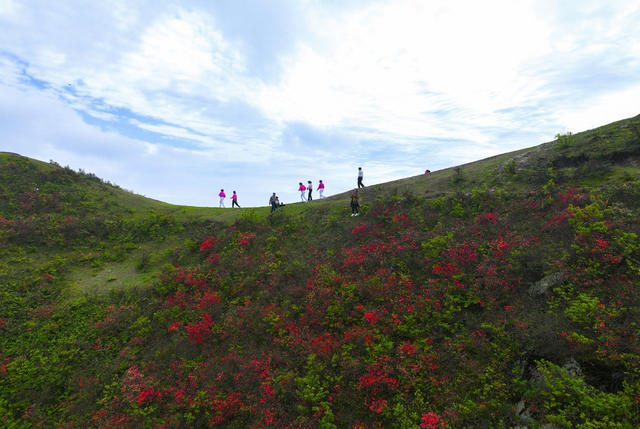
(501, 293)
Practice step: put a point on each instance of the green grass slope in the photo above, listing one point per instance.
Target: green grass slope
(499, 293)
(92, 231)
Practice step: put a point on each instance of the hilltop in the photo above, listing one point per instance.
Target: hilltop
(499, 293)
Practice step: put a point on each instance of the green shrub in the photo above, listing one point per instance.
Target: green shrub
(564, 140)
(569, 402)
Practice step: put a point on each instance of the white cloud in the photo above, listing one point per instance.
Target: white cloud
(9, 8)
(607, 108)
(464, 153)
(185, 53)
(168, 68)
(34, 122)
(10, 72)
(98, 114)
(395, 66)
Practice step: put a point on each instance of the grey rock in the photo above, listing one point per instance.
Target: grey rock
(541, 287)
(523, 412)
(537, 378)
(572, 367)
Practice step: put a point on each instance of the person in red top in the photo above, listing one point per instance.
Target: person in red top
(321, 188)
(302, 188)
(222, 196)
(234, 200)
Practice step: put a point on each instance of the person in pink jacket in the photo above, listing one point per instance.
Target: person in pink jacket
(302, 188)
(321, 188)
(222, 196)
(234, 200)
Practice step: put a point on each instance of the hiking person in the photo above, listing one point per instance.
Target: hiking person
(360, 176)
(302, 188)
(355, 205)
(309, 188)
(427, 171)
(321, 189)
(222, 196)
(234, 200)
(274, 202)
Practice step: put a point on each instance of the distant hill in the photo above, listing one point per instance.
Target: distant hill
(499, 293)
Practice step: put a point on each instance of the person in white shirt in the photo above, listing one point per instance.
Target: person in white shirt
(360, 176)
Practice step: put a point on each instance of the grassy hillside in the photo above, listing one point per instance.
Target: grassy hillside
(499, 293)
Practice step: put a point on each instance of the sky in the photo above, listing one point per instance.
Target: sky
(175, 100)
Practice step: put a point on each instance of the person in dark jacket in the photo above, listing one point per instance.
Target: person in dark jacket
(355, 205)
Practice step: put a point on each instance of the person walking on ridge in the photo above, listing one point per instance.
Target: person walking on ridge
(222, 196)
(302, 188)
(234, 200)
(321, 189)
(355, 205)
(274, 202)
(309, 188)
(360, 177)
